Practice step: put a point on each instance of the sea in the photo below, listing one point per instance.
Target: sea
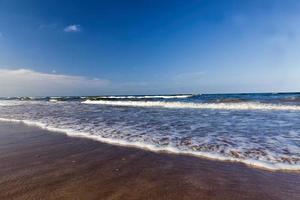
(258, 129)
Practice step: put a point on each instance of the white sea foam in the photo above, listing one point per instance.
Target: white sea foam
(148, 97)
(53, 100)
(10, 102)
(170, 149)
(221, 106)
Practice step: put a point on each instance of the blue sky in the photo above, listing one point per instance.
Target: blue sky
(148, 47)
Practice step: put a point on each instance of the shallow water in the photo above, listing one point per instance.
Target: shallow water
(258, 129)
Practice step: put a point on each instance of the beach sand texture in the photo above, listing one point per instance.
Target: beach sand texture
(38, 164)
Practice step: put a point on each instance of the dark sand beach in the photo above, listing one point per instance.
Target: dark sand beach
(38, 164)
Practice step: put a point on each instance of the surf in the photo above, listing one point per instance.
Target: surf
(184, 105)
(168, 149)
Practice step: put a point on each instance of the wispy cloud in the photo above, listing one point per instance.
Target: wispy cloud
(25, 82)
(73, 28)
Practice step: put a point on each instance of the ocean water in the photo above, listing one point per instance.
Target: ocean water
(261, 130)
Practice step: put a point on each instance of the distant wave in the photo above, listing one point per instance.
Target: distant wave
(290, 100)
(183, 96)
(221, 106)
(230, 100)
(154, 148)
(53, 100)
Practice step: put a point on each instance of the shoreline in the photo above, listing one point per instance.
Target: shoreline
(201, 155)
(36, 163)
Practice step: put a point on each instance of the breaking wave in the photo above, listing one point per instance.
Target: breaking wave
(261, 130)
(183, 96)
(221, 106)
(210, 155)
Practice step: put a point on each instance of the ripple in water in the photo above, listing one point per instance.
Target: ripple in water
(262, 137)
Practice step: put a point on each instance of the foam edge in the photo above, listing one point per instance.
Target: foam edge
(211, 156)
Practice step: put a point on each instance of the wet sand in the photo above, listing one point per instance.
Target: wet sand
(38, 164)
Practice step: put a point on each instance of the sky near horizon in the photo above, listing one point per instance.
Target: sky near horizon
(89, 47)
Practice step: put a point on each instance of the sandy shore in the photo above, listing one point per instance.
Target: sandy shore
(38, 164)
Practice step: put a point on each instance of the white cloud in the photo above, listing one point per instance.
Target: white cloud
(73, 28)
(25, 82)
